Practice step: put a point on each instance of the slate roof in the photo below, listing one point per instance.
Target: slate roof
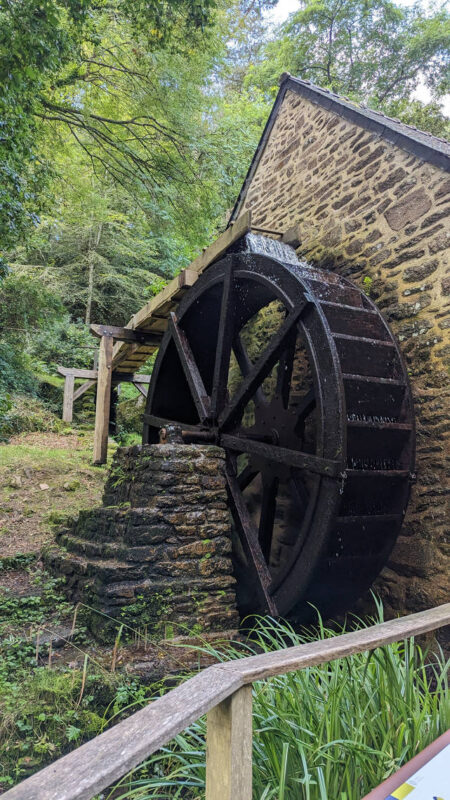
(421, 144)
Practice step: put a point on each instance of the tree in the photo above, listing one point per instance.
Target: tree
(369, 50)
(51, 54)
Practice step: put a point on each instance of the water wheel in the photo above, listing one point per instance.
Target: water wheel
(295, 373)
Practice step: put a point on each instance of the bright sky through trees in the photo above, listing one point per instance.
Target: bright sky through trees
(285, 7)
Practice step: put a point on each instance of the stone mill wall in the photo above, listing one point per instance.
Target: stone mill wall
(157, 554)
(380, 216)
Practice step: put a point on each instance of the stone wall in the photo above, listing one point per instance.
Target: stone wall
(378, 215)
(157, 555)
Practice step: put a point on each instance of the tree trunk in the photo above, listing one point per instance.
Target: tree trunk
(91, 253)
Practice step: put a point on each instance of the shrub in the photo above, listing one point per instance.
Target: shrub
(26, 414)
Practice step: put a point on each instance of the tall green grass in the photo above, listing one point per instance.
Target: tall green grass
(330, 732)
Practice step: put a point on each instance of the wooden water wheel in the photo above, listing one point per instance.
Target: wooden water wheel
(295, 373)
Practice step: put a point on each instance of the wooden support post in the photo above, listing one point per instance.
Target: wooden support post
(229, 748)
(103, 400)
(69, 385)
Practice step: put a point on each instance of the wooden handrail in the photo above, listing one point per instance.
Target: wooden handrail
(99, 763)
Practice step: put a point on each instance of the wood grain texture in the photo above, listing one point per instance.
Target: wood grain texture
(82, 389)
(69, 385)
(97, 764)
(256, 668)
(125, 334)
(89, 374)
(103, 403)
(229, 743)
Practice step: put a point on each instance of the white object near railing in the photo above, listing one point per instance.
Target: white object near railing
(222, 691)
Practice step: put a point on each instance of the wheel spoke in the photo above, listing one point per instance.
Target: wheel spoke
(248, 534)
(283, 455)
(267, 518)
(285, 367)
(245, 477)
(224, 344)
(245, 366)
(190, 369)
(260, 370)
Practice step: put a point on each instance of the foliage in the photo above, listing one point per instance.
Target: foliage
(325, 732)
(370, 50)
(425, 116)
(19, 613)
(26, 415)
(46, 713)
(45, 50)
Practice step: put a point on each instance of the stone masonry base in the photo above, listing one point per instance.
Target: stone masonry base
(157, 555)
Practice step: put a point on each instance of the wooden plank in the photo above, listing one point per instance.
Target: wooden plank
(130, 377)
(82, 389)
(103, 403)
(79, 373)
(229, 748)
(173, 291)
(268, 665)
(69, 384)
(97, 764)
(183, 281)
(238, 229)
(125, 334)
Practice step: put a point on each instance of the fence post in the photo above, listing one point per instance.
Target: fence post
(103, 404)
(229, 748)
(69, 385)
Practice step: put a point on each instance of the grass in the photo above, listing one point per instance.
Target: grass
(330, 732)
(63, 463)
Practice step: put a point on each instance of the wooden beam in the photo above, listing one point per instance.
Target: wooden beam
(82, 389)
(238, 229)
(229, 748)
(126, 334)
(141, 388)
(88, 374)
(69, 384)
(130, 377)
(171, 292)
(103, 400)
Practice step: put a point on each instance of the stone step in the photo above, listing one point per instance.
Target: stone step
(133, 526)
(114, 550)
(103, 569)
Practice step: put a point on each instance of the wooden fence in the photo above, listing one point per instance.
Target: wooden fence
(224, 693)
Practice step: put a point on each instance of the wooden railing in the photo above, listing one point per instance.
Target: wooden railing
(224, 693)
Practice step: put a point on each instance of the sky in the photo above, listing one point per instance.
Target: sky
(286, 7)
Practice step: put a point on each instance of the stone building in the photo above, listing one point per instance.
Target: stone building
(368, 197)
